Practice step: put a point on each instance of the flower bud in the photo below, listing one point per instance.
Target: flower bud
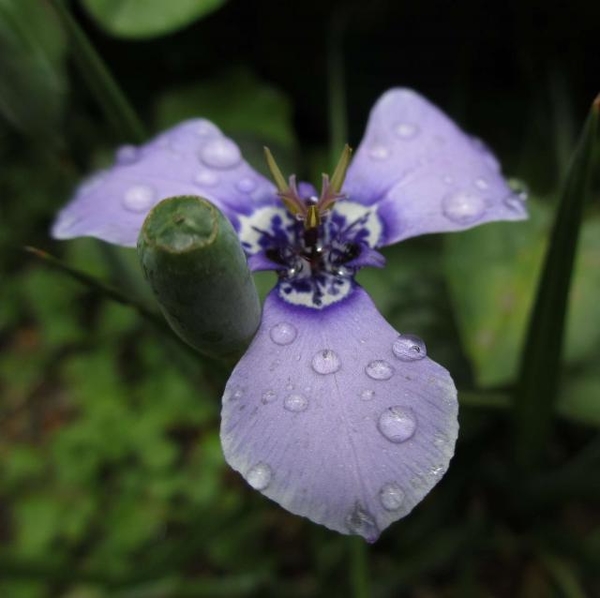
(193, 260)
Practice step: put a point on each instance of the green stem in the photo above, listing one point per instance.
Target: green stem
(104, 88)
(537, 388)
(359, 568)
(338, 118)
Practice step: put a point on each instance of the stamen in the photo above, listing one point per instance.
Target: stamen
(331, 189)
(288, 192)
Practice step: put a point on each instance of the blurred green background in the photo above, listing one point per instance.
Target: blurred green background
(112, 482)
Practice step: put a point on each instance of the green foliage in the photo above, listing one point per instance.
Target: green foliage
(148, 18)
(33, 81)
(492, 273)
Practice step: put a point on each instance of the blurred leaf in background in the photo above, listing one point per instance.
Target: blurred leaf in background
(148, 18)
(33, 82)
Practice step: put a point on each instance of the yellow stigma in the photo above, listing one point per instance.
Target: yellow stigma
(313, 217)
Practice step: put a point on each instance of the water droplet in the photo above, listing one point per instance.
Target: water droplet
(379, 370)
(408, 347)
(295, 403)
(463, 207)
(379, 152)
(232, 393)
(259, 476)
(481, 183)
(204, 128)
(127, 154)
(246, 185)
(206, 178)
(139, 198)
(391, 496)
(283, 333)
(360, 521)
(268, 396)
(326, 362)
(221, 153)
(367, 395)
(397, 424)
(406, 130)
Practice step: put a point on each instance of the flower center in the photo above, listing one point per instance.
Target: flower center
(316, 244)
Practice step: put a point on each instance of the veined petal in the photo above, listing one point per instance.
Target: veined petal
(337, 417)
(424, 174)
(193, 158)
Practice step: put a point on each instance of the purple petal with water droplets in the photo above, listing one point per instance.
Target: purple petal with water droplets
(335, 419)
(193, 158)
(424, 174)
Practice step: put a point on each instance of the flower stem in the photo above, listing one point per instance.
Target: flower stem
(104, 88)
(359, 568)
(338, 126)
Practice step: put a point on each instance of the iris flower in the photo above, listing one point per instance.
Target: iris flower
(331, 412)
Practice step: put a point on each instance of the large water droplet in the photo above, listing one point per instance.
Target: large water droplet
(326, 362)
(367, 395)
(408, 347)
(139, 198)
(379, 370)
(397, 424)
(246, 185)
(379, 152)
(283, 333)
(406, 130)
(295, 403)
(360, 521)
(206, 178)
(391, 496)
(127, 154)
(259, 476)
(463, 207)
(268, 396)
(221, 153)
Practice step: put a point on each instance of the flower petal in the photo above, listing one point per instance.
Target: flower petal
(424, 173)
(193, 158)
(336, 417)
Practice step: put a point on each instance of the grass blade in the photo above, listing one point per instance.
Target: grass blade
(537, 388)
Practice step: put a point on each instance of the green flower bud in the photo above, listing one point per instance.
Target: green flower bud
(196, 267)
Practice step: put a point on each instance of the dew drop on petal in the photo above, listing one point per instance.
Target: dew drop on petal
(233, 393)
(326, 362)
(295, 403)
(379, 370)
(206, 178)
(360, 521)
(246, 185)
(259, 476)
(139, 198)
(379, 152)
(268, 396)
(283, 333)
(406, 130)
(481, 183)
(367, 394)
(408, 347)
(463, 207)
(221, 153)
(397, 424)
(127, 154)
(391, 496)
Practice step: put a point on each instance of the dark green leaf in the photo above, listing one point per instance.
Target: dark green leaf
(148, 18)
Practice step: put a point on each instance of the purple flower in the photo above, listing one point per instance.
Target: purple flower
(331, 412)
